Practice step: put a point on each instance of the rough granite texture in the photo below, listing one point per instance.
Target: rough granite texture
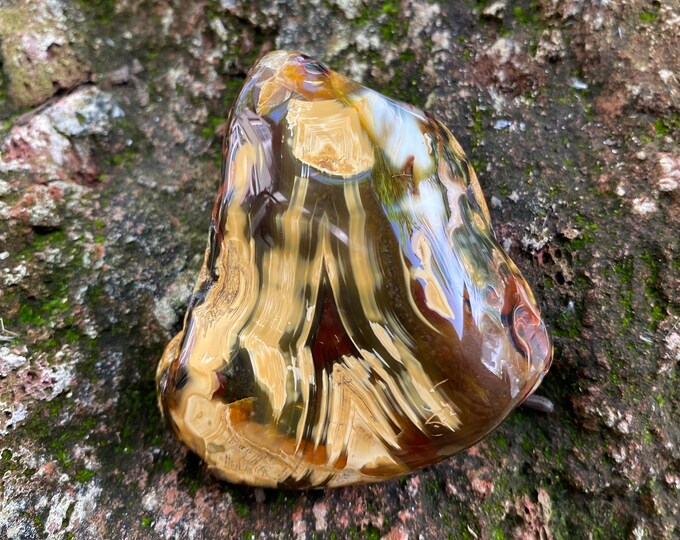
(37, 50)
(570, 110)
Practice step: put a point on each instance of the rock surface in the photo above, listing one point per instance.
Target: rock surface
(38, 50)
(571, 113)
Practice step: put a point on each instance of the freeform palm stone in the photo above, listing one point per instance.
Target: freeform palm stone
(355, 318)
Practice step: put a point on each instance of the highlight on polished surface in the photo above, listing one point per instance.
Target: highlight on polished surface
(355, 318)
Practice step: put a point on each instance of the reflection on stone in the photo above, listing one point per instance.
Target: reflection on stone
(355, 319)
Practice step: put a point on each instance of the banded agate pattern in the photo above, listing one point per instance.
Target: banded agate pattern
(355, 318)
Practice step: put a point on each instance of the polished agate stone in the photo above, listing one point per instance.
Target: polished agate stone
(355, 318)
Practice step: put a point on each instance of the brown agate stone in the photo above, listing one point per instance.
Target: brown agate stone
(355, 318)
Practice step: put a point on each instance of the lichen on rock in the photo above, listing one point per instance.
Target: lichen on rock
(38, 52)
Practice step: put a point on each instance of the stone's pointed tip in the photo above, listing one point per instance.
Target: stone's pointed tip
(276, 59)
(355, 319)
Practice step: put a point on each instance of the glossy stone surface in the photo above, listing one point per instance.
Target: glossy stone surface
(355, 318)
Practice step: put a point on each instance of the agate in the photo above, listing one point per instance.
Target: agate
(355, 318)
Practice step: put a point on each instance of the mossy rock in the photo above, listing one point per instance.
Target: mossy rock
(38, 57)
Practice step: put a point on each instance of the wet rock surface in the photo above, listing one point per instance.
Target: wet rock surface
(571, 113)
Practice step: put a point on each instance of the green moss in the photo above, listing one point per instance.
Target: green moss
(500, 442)
(28, 316)
(660, 128)
(142, 418)
(407, 56)
(386, 17)
(50, 307)
(62, 456)
(125, 158)
(52, 239)
(667, 125)
(526, 16)
(588, 230)
(390, 8)
(497, 534)
(503, 188)
(624, 271)
(99, 236)
(283, 500)
(371, 533)
(102, 11)
(52, 311)
(480, 117)
(57, 305)
(649, 16)
(146, 522)
(432, 487)
(54, 407)
(57, 440)
(232, 88)
(9, 463)
(657, 301)
(83, 475)
(241, 510)
(568, 323)
(213, 123)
